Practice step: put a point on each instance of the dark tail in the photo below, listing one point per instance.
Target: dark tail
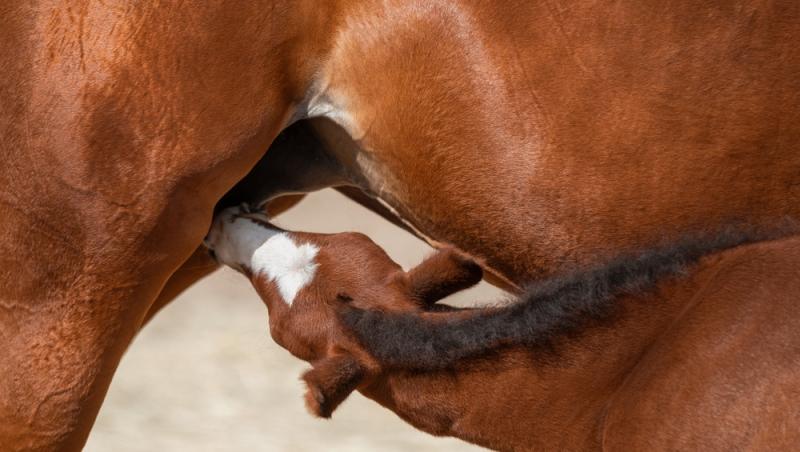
(555, 308)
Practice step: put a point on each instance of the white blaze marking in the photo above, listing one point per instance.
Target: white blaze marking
(292, 267)
(240, 242)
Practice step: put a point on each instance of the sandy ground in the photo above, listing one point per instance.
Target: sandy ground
(206, 376)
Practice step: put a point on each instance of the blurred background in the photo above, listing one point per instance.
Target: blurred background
(204, 375)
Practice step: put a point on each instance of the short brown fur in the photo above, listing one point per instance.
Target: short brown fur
(650, 380)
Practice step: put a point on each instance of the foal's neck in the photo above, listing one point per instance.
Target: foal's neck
(566, 389)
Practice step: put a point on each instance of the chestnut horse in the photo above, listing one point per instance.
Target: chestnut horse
(537, 136)
(644, 375)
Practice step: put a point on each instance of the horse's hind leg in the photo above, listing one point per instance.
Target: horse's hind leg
(63, 331)
(78, 278)
(117, 157)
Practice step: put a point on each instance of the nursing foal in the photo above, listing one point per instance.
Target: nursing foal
(674, 351)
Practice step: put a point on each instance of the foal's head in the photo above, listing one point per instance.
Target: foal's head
(307, 280)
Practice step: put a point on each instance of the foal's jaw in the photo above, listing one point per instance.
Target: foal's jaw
(280, 268)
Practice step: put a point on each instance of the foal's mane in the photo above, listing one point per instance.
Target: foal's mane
(548, 310)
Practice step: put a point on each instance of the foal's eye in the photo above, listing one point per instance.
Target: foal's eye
(343, 298)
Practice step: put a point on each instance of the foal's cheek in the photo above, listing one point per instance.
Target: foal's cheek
(268, 293)
(274, 329)
(279, 319)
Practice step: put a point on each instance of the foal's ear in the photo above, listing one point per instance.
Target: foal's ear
(444, 273)
(329, 382)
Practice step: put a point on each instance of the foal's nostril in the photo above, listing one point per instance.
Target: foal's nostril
(213, 254)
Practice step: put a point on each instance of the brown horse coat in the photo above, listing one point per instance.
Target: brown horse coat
(706, 361)
(536, 136)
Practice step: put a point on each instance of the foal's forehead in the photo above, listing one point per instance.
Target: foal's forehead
(290, 265)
